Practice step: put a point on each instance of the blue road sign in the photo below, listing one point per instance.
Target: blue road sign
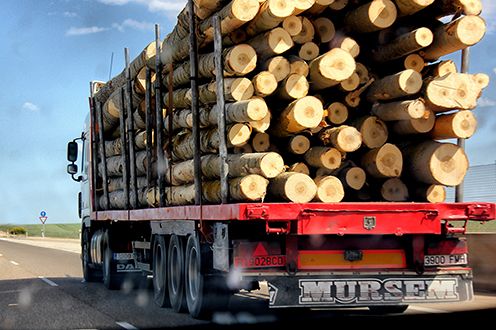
(43, 213)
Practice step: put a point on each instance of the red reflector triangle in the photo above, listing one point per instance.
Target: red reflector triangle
(260, 250)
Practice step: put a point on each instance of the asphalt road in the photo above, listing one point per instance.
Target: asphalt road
(42, 288)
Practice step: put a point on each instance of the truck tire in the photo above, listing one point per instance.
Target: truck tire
(388, 309)
(204, 292)
(111, 279)
(175, 274)
(90, 274)
(160, 294)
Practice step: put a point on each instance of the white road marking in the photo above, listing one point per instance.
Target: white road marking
(14, 263)
(12, 305)
(126, 325)
(427, 309)
(47, 281)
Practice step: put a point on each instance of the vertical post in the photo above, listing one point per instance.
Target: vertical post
(93, 154)
(124, 153)
(170, 126)
(103, 156)
(43, 231)
(221, 116)
(460, 189)
(149, 128)
(159, 143)
(130, 133)
(193, 57)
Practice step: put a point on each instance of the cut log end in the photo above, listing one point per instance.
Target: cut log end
(293, 25)
(245, 10)
(252, 187)
(279, 41)
(309, 51)
(374, 132)
(460, 125)
(329, 189)
(299, 144)
(355, 178)
(329, 158)
(294, 87)
(261, 142)
(299, 168)
(351, 83)
(414, 62)
(394, 190)
(384, 162)
(337, 113)
(261, 125)
(265, 83)
(238, 134)
(279, 66)
(294, 187)
(325, 29)
(434, 194)
(242, 89)
(242, 59)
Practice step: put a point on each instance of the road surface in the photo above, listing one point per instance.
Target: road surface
(42, 288)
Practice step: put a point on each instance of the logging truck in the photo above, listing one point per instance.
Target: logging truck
(296, 143)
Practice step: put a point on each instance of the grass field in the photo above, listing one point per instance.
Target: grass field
(70, 230)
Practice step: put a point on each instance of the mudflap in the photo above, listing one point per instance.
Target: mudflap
(368, 290)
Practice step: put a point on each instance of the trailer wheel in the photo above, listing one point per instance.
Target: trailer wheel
(160, 295)
(111, 279)
(175, 274)
(204, 292)
(388, 309)
(89, 274)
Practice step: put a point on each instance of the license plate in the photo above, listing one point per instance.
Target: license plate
(445, 260)
(260, 262)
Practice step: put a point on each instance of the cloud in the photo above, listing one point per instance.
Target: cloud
(131, 23)
(489, 14)
(31, 107)
(485, 102)
(73, 31)
(153, 5)
(69, 14)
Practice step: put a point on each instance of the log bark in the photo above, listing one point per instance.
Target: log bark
(117, 199)
(298, 116)
(250, 188)
(309, 51)
(429, 193)
(329, 189)
(415, 126)
(299, 168)
(295, 86)
(432, 162)
(373, 16)
(115, 184)
(337, 113)
(235, 89)
(331, 68)
(298, 66)
(260, 142)
(270, 15)
(279, 66)
(324, 28)
(293, 187)
(235, 38)
(383, 162)
(307, 32)
(400, 110)
(344, 138)
(394, 190)
(458, 125)
(293, 25)
(399, 85)
(403, 45)
(238, 112)
(326, 157)
(373, 130)
(244, 149)
(449, 7)
(451, 37)
(409, 7)
(264, 83)
(298, 144)
(271, 43)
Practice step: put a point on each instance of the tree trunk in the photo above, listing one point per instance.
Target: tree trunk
(250, 188)
(270, 15)
(307, 32)
(309, 51)
(298, 116)
(260, 142)
(298, 66)
(299, 168)
(271, 43)
(415, 126)
(373, 16)
(432, 162)
(264, 83)
(451, 37)
(329, 158)
(403, 45)
(409, 7)
(429, 193)
(344, 138)
(293, 187)
(337, 113)
(458, 125)
(401, 84)
(293, 25)
(383, 162)
(324, 29)
(298, 144)
(400, 110)
(394, 190)
(279, 66)
(373, 130)
(293, 87)
(331, 68)
(329, 189)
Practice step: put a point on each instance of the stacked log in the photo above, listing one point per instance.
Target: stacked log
(326, 101)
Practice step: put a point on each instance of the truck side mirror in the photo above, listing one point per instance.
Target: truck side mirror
(72, 169)
(72, 152)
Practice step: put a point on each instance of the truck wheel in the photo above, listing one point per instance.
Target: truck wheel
(204, 293)
(160, 295)
(111, 279)
(175, 274)
(388, 309)
(89, 274)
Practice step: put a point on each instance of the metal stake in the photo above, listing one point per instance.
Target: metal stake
(130, 132)
(149, 128)
(460, 189)
(124, 145)
(101, 143)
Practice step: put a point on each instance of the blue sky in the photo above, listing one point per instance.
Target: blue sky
(51, 49)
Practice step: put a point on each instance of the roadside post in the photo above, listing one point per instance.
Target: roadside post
(43, 218)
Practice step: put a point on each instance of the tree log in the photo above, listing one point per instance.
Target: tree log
(329, 158)
(403, 45)
(115, 184)
(235, 38)
(353, 177)
(337, 113)
(309, 51)
(400, 110)
(298, 144)
(299, 168)
(362, 72)
(331, 68)
(451, 37)
(293, 187)
(414, 62)
(263, 125)
(271, 43)
(329, 189)
(443, 8)
(319, 7)
(295, 86)
(270, 15)
(416, 126)
(401, 84)
(373, 16)
(373, 130)
(429, 193)
(324, 29)
(432, 162)
(338, 5)
(205, 8)
(264, 83)
(383, 162)
(279, 66)
(350, 84)
(344, 138)
(260, 142)
(249, 188)
(346, 43)
(293, 24)
(302, 5)
(307, 32)
(298, 66)
(440, 69)
(409, 7)
(458, 125)
(298, 116)
(394, 190)
(235, 89)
